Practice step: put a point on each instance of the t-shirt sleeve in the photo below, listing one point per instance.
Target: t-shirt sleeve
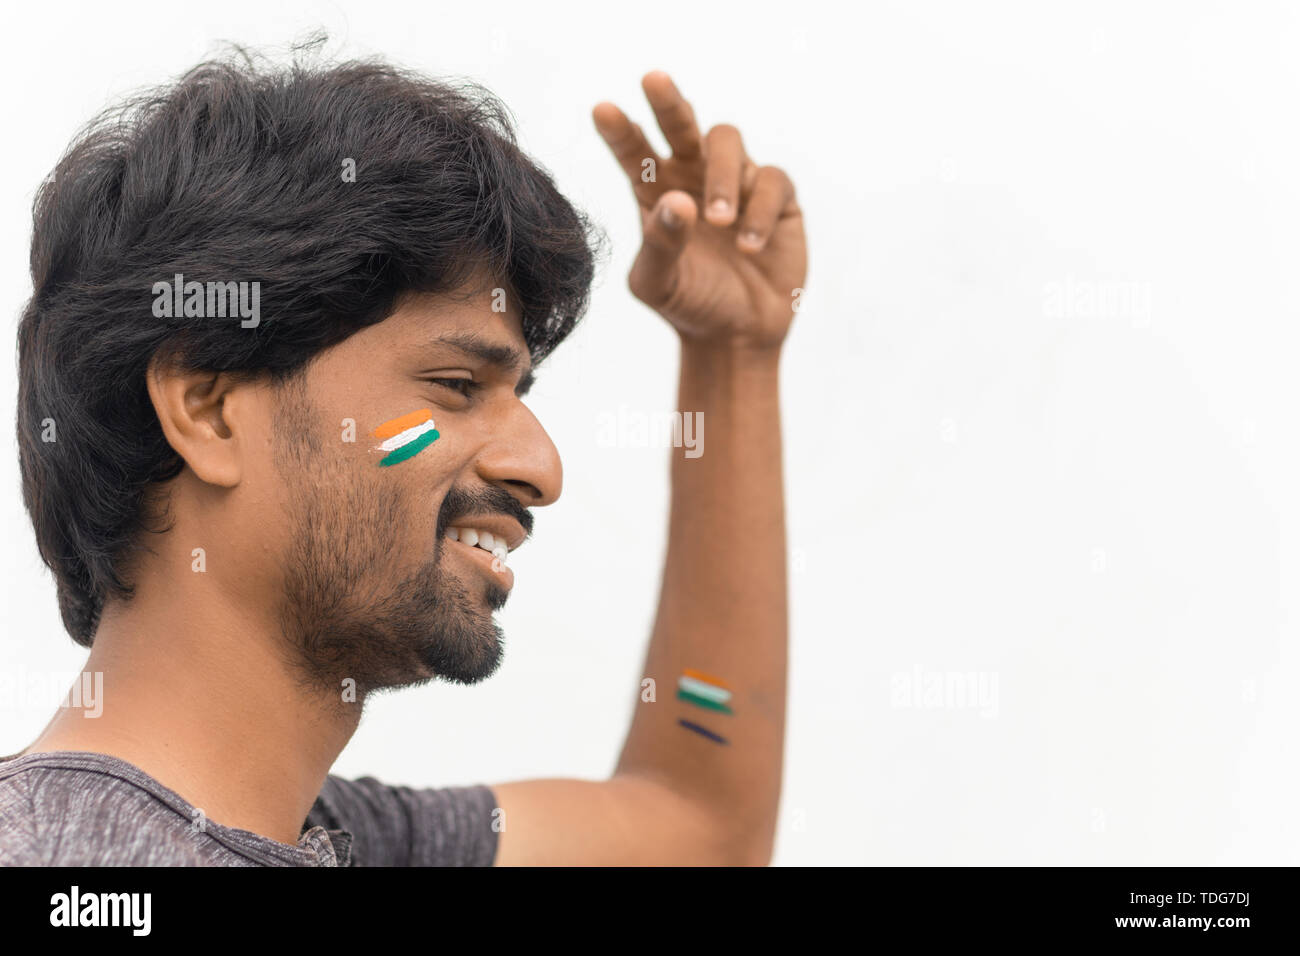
(410, 826)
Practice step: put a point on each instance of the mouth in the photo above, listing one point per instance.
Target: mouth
(488, 549)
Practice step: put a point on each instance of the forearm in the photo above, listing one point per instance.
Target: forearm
(723, 609)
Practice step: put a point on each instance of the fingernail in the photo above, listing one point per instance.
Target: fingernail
(750, 237)
(719, 207)
(668, 216)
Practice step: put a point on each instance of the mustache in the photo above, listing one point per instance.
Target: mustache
(461, 502)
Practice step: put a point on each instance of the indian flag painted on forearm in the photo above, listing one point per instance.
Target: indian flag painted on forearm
(703, 690)
(406, 436)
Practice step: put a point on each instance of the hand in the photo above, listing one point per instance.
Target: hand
(714, 281)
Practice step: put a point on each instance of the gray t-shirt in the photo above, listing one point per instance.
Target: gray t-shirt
(75, 808)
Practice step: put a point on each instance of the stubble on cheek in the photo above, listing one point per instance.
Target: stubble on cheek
(370, 593)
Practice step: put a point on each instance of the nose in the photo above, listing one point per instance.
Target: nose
(522, 459)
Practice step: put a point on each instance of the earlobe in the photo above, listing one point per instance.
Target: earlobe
(198, 412)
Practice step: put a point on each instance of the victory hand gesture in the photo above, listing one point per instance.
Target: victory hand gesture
(732, 276)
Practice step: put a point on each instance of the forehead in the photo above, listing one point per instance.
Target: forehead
(478, 324)
(481, 320)
(487, 308)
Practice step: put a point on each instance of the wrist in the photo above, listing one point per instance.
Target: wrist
(729, 374)
(729, 355)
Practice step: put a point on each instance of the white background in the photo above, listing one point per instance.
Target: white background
(990, 472)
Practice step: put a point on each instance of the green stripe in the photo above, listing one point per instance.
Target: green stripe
(398, 455)
(702, 701)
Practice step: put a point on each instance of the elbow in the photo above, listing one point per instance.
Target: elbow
(760, 854)
(754, 858)
(755, 848)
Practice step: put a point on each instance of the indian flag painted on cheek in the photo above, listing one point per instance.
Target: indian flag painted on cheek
(406, 436)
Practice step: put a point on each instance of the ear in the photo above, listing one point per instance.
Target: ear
(205, 418)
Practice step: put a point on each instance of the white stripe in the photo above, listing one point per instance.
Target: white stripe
(410, 435)
(701, 689)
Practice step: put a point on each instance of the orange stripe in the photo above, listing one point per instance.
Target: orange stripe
(706, 678)
(399, 425)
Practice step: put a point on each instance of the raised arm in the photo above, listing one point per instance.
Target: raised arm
(699, 777)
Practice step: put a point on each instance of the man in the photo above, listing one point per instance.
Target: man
(274, 447)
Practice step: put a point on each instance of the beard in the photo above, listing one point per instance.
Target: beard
(351, 609)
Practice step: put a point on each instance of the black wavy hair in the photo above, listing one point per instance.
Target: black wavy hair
(235, 172)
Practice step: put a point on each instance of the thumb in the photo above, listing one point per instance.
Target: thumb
(666, 230)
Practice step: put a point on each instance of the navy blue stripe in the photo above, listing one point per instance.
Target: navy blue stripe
(702, 732)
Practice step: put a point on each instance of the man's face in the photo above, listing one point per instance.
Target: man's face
(374, 587)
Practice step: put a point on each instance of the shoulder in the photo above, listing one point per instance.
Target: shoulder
(394, 825)
(81, 809)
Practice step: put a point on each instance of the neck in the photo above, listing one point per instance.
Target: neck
(199, 693)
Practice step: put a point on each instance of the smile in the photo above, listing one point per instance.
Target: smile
(481, 539)
(490, 551)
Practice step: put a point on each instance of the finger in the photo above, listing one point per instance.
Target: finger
(668, 228)
(725, 157)
(675, 116)
(769, 198)
(625, 139)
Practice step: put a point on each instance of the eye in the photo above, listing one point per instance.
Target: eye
(465, 386)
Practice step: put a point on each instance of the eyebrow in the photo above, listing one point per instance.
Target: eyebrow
(505, 357)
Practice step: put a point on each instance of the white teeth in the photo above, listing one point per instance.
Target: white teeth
(493, 544)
